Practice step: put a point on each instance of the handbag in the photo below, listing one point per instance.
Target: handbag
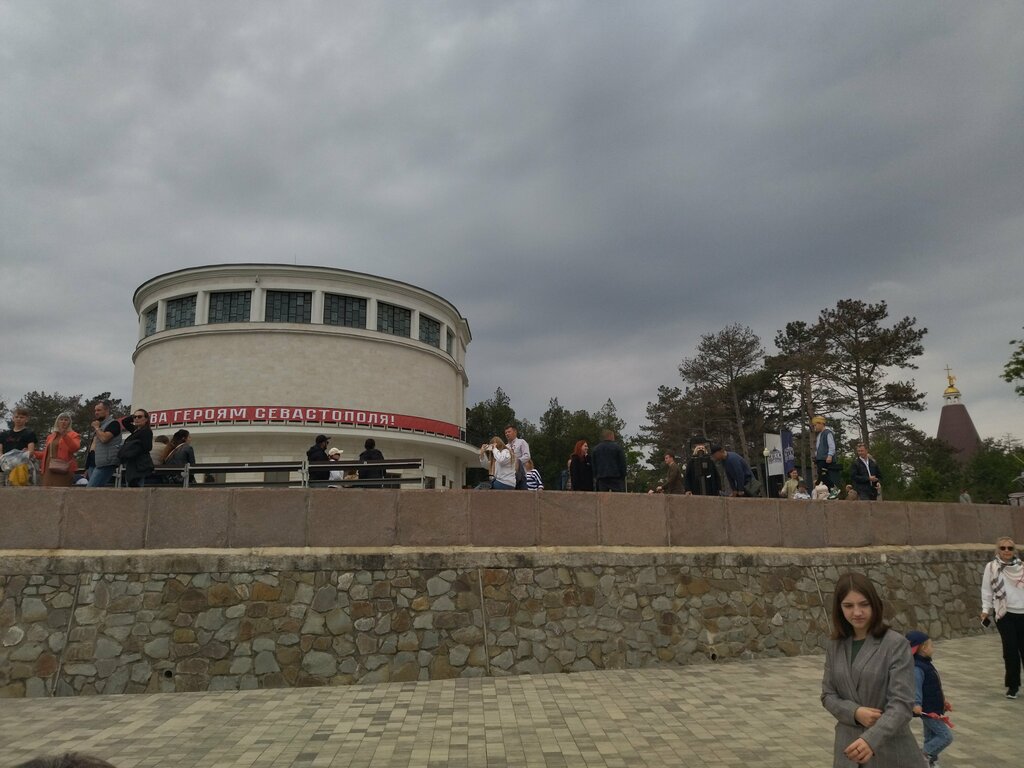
(54, 465)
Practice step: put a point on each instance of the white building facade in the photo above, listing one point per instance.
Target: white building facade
(256, 360)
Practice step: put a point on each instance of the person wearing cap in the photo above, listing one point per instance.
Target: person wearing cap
(929, 698)
(316, 454)
(825, 455)
(737, 471)
(334, 454)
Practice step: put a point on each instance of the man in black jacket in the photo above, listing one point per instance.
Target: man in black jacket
(316, 454)
(371, 454)
(865, 475)
(609, 463)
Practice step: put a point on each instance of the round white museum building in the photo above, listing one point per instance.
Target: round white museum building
(256, 360)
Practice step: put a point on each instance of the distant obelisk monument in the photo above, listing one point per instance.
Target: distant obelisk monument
(955, 425)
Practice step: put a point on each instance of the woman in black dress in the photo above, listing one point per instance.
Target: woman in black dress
(581, 474)
(134, 453)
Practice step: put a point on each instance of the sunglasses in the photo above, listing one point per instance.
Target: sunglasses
(1006, 549)
(137, 416)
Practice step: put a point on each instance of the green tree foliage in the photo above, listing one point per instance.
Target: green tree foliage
(1014, 368)
(804, 388)
(607, 417)
(914, 466)
(992, 473)
(721, 366)
(489, 418)
(44, 409)
(861, 351)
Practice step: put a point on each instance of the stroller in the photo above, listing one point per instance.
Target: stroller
(20, 468)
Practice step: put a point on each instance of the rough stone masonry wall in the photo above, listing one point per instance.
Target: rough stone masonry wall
(194, 621)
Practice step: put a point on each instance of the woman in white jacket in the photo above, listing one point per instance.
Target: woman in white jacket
(500, 463)
(1002, 594)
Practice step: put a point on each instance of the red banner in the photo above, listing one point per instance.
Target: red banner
(233, 414)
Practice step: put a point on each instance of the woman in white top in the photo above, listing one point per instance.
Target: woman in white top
(1002, 593)
(500, 463)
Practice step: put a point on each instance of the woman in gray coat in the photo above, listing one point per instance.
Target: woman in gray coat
(868, 684)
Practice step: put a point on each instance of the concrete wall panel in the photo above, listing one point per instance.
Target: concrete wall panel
(434, 518)
(350, 517)
(633, 520)
(568, 519)
(754, 523)
(503, 519)
(268, 518)
(30, 518)
(100, 518)
(697, 521)
(194, 518)
(803, 524)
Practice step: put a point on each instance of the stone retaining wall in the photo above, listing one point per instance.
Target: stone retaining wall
(87, 623)
(173, 518)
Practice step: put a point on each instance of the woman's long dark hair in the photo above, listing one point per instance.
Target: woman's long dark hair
(178, 438)
(856, 582)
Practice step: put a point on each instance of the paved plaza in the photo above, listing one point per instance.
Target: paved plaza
(764, 713)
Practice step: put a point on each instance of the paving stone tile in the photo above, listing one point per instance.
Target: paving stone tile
(764, 712)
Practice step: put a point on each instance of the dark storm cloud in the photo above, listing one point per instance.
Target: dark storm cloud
(592, 185)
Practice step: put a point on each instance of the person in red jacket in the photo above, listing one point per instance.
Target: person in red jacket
(58, 455)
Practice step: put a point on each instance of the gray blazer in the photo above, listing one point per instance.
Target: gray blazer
(883, 678)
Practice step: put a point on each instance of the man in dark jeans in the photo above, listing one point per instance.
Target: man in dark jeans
(609, 463)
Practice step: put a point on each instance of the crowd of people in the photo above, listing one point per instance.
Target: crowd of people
(128, 442)
(510, 466)
(117, 442)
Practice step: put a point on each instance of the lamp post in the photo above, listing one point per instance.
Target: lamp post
(766, 453)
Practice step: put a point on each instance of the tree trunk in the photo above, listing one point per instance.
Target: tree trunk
(739, 424)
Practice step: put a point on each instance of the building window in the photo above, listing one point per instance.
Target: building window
(394, 320)
(230, 307)
(181, 313)
(449, 342)
(150, 320)
(430, 331)
(348, 311)
(289, 307)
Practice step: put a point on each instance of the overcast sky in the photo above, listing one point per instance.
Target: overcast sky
(593, 185)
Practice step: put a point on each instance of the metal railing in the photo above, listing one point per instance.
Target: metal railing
(291, 474)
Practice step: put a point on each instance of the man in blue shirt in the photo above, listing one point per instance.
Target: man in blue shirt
(737, 470)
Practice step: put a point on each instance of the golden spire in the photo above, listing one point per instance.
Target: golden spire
(951, 394)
